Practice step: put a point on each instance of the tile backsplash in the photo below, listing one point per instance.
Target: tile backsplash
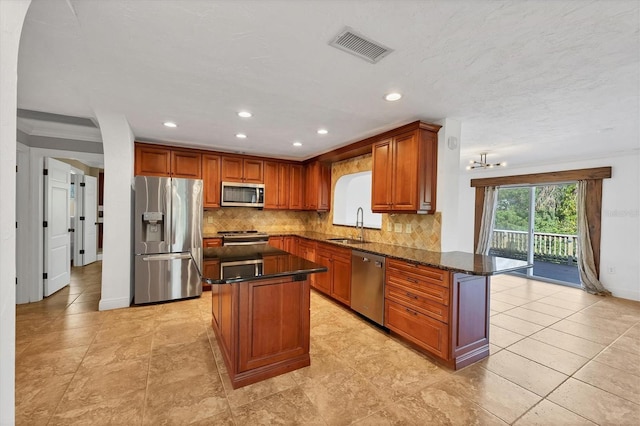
(424, 230)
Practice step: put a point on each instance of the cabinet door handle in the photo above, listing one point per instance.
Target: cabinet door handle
(411, 280)
(413, 296)
(410, 311)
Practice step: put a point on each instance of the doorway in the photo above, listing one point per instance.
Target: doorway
(538, 224)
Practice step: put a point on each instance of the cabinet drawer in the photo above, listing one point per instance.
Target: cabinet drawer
(426, 332)
(424, 273)
(417, 301)
(419, 286)
(211, 242)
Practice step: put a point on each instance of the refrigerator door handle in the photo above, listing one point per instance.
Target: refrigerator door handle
(167, 256)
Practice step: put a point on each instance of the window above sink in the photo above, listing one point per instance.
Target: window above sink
(353, 191)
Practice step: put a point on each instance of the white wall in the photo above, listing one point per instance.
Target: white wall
(12, 15)
(118, 145)
(448, 176)
(620, 243)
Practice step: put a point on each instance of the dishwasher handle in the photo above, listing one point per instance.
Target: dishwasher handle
(379, 264)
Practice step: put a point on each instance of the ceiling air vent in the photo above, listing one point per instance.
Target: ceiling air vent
(360, 46)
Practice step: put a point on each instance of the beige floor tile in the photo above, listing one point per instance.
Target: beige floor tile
(89, 296)
(526, 292)
(617, 382)
(512, 300)
(113, 332)
(190, 400)
(126, 349)
(561, 303)
(622, 360)
(569, 342)
(544, 308)
(288, 407)
(256, 391)
(125, 409)
(69, 338)
(343, 397)
(432, 407)
(547, 413)
(80, 307)
(176, 363)
(489, 391)
(578, 296)
(499, 306)
(550, 356)
(530, 375)
(604, 337)
(532, 316)
(628, 343)
(502, 337)
(595, 404)
(47, 363)
(37, 399)
(516, 325)
(597, 321)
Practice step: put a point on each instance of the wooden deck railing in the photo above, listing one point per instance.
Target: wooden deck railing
(554, 248)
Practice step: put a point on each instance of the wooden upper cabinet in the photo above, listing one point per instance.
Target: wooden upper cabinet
(238, 169)
(276, 185)
(381, 175)
(404, 172)
(152, 161)
(211, 180)
(296, 187)
(317, 187)
(163, 161)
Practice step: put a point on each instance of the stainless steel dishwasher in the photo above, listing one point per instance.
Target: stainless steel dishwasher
(367, 285)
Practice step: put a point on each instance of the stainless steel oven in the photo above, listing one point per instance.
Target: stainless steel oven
(241, 269)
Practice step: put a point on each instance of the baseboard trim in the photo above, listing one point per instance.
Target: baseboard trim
(108, 304)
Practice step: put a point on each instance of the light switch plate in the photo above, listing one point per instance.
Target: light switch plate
(397, 227)
(389, 227)
(407, 228)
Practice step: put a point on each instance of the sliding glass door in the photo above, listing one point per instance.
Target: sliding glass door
(538, 224)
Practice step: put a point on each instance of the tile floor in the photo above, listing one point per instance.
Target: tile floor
(559, 356)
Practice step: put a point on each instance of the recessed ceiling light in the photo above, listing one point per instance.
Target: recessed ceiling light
(170, 124)
(297, 144)
(322, 131)
(393, 96)
(244, 114)
(241, 136)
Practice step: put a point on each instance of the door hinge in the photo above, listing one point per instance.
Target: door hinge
(82, 184)
(81, 251)
(16, 280)
(16, 168)
(45, 224)
(16, 225)
(81, 217)
(45, 172)
(44, 276)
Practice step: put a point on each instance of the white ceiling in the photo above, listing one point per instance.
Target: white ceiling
(534, 81)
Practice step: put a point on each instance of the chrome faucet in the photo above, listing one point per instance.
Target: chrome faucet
(360, 222)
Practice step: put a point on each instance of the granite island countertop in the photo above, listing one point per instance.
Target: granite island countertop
(455, 261)
(254, 262)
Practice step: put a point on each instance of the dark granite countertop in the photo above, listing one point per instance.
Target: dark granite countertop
(255, 262)
(456, 261)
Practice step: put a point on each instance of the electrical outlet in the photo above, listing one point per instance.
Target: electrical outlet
(209, 219)
(389, 227)
(397, 227)
(407, 228)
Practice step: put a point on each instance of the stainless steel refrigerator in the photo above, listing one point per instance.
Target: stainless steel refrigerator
(167, 238)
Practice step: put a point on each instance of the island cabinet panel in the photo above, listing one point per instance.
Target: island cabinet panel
(164, 161)
(443, 313)
(262, 327)
(272, 323)
(470, 318)
(296, 187)
(404, 171)
(276, 185)
(337, 281)
(240, 169)
(211, 181)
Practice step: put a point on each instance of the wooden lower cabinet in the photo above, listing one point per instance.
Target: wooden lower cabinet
(277, 242)
(307, 250)
(210, 268)
(336, 282)
(445, 314)
(262, 327)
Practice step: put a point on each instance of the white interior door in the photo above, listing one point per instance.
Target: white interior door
(77, 236)
(57, 241)
(90, 219)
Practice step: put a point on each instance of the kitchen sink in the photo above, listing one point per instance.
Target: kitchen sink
(346, 240)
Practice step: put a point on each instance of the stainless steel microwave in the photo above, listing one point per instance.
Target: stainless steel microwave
(238, 194)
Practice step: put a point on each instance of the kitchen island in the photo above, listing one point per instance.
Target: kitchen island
(260, 309)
